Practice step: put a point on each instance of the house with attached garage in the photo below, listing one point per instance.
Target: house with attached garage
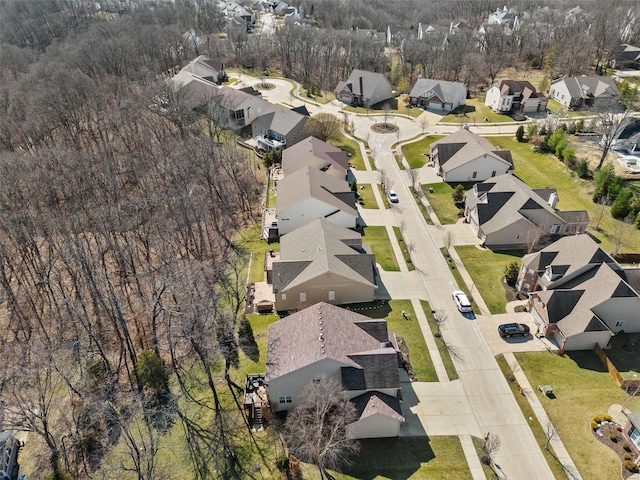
(437, 94)
(466, 157)
(364, 89)
(319, 262)
(506, 214)
(578, 294)
(309, 194)
(315, 153)
(326, 341)
(515, 96)
(584, 92)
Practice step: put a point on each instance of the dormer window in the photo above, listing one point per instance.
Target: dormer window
(548, 273)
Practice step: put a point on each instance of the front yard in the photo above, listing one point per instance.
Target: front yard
(352, 148)
(442, 202)
(474, 111)
(487, 271)
(366, 198)
(378, 240)
(415, 152)
(540, 170)
(396, 106)
(583, 388)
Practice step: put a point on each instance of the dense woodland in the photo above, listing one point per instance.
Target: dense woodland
(120, 284)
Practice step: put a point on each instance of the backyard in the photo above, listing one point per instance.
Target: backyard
(487, 271)
(352, 148)
(583, 388)
(541, 170)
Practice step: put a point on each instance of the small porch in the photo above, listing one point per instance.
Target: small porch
(256, 402)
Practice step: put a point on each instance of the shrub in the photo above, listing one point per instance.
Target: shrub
(621, 207)
(582, 169)
(594, 425)
(638, 221)
(283, 463)
(520, 134)
(597, 418)
(569, 156)
(607, 418)
(458, 194)
(579, 125)
(631, 466)
(627, 456)
(613, 437)
(626, 446)
(511, 273)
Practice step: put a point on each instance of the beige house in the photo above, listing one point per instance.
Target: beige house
(313, 152)
(466, 157)
(327, 341)
(309, 194)
(584, 92)
(364, 89)
(579, 295)
(438, 95)
(505, 213)
(320, 262)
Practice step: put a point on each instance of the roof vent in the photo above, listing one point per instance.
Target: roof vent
(321, 337)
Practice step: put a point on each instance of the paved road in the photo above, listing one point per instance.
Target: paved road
(480, 401)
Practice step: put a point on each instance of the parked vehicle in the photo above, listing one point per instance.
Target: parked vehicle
(462, 301)
(393, 197)
(508, 330)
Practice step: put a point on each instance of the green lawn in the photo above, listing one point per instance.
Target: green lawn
(366, 197)
(249, 241)
(442, 346)
(271, 194)
(536, 428)
(475, 111)
(442, 202)
(405, 250)
(539, 171)
(423, 209)
(583, 388)
(559, 109)
(406, 458)
(414, 152)
(459, 280)
(378, 239)
(487, 271)
(351, 147)
(407, 329)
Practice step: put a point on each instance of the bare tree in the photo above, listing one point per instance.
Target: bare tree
(317, 430)
(440, 318)
(550, 433)
(414, 174)
(532, 235)
(601, 208)
(323, 126)
(490, 447)
(385, 182)
(620, 234)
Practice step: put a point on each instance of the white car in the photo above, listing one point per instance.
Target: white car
(462, 302)
(393, 197)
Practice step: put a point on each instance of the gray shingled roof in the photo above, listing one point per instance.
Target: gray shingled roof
(589, 87)
(370, 81)
(313, 151)
(312, 183)
(320, 248)
(325, 331)
(377, 403)
(503, 200)
(446, 91)
(463, 146)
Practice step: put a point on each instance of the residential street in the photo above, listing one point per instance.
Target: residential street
(481, 401)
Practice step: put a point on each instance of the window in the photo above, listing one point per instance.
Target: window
(294, 136)
(634, 435)
(303, 297)
(284, 297)
(475, 174)
(518, 237)
(493, 174)
(332, 295)
(567, 229)
(555, 229)
(619, 323)
(285, 399)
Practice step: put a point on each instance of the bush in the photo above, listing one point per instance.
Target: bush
(627, 456)
(597, 418)
(638, 221)
(511, 273)
(520, 134)
(458, 194)
(631, 466)
(283, 463)
(569, 156)
(594, 425)
(613, 437)
(626, 446)
(582, 169)
(621, 207)
(607, 418)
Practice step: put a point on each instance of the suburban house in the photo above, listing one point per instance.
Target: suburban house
(322, 261)
(272, 126)
(309, 194)
(632, 428)
(364, 89)
(424, 30)
(197, 81)
(466, 157)
(397, 35)
(628, 56)
(578, 294)
(515, 96)
(8, 454)
(505, 213)
(315, 153)
(369, 34)
(437, 94)
(207, 69)
(325, 341)
(504, 16)
(583, 92)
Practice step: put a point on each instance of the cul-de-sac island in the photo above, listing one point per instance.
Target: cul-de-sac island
(319, 239)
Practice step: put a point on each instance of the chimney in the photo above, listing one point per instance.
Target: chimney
(361, 88)
(553, 200)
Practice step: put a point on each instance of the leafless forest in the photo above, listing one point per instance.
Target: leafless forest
(121, 288)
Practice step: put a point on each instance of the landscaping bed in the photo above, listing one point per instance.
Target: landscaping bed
(610, 434)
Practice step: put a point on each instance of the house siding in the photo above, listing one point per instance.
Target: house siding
(374, 426)
(309, 210)
(317, 290)
(623, 309)
(511, 237)
(484, 166)
(586, 340)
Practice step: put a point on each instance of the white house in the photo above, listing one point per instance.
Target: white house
(515, 96)
(466, 157)
(308, 194)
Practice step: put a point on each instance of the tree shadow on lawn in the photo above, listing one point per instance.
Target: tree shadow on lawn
(463, 110)
(377, 309)
(397, 458)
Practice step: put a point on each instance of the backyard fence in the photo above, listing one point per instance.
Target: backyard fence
(630, 386)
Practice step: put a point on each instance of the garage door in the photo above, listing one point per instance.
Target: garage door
(435, 105)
